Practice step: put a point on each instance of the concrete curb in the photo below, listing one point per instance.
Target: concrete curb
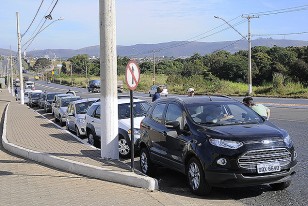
(122, 177)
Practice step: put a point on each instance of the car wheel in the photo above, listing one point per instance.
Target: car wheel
(92, 141)
(61, 122)
(146, 165)
(124, 149)
(77, 132)
(66, 127)
(281, 185)
(196, 179)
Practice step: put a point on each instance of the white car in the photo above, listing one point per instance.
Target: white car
(93, 124)
(153, 90)
(59, 110)
(76, 114)
(26, 95)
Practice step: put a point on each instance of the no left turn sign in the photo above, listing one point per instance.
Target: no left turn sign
(132, 75)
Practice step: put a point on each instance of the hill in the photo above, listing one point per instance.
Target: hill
(175, 49)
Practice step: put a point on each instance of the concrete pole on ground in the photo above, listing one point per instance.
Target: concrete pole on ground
(108, 76)
(20, 63)
(12, 75)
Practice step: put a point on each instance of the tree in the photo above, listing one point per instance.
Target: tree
(42, 64)
(79, 63)
(299, 71)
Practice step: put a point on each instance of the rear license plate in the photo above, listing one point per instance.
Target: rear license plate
(269, 167)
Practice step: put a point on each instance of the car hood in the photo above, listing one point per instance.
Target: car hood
(244, 132)
(125, 123)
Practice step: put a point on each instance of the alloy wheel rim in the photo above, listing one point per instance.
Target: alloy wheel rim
(144, 162)
(123, 147)
(194, 176)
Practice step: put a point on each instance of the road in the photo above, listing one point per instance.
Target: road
(289, 114)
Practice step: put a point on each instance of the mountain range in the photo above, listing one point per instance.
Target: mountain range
(176, 49)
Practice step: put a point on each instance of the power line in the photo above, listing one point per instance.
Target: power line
(33, 19)
(280, 11)
(228, 45)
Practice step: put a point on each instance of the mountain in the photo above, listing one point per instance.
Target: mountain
(168, 49)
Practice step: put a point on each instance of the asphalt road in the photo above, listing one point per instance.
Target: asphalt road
(289, 114)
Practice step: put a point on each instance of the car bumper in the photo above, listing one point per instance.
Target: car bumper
(226, 179)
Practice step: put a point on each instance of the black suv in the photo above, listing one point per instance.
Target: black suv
(94, 86)
(215, 141)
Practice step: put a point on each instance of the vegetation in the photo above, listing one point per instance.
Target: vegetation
(276, 71)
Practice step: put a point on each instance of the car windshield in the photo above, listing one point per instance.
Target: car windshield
(51, 96)
(139, 110)
(222, 113)
(35, 95)
(65, 102)
(82, 108)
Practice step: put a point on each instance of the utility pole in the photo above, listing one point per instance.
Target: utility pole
(12, 76)
(153, 67)
(20, 62)
(108, 76)
(71, 73)
(248, 17)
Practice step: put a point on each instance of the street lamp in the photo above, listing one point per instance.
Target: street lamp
(249, 48)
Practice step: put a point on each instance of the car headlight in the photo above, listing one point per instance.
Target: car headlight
(136, 131)
(226, 143)
(81, 120)
(288, 141)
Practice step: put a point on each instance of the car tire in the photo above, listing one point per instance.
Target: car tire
(146, 165)
(61, 121)
(124, 147)
(280, 185)
(77, 132)
(196, 179)
(92, 141)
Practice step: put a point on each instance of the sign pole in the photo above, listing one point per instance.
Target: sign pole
(132, 77)
(132, 129)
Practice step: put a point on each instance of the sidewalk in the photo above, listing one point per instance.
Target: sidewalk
(28, 134)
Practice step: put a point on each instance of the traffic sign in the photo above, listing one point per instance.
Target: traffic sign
(132, 75)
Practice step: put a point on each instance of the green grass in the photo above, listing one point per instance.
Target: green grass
(179, 85)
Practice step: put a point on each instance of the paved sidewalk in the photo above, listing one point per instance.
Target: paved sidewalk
(30, 135)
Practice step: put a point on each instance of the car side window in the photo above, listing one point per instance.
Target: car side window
(175, 113)
(97, 113)
(91, 110)
(157, 113)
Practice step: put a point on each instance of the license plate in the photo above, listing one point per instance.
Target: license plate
(269, 167)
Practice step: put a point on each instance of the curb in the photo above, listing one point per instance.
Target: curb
(122, 177)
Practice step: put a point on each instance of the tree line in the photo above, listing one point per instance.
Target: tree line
(290, 63)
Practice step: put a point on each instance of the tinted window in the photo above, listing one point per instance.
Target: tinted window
(91, 110)
(174, 113)
(157, 113)
(66, 101)
(81, 108)
(97, 113)
(35, 95)
(50, 96)
(140, 109)
(222, 113)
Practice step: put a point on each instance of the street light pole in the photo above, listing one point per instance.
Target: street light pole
(20, 63)
(153, 67)
(248, 17)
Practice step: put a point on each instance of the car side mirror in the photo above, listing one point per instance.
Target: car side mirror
(173, 124)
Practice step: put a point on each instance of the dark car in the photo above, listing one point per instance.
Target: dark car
(48, 99)
(216, 141)
(94, 86)
(34, 99)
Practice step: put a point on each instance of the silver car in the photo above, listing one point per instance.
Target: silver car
(76, 114)
(61, 106)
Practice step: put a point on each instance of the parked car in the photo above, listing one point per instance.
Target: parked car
(61, 106)
(93, 124)
(94, 86)
(153, 90)
(41, 100)
(34, 98)
(215, 141)
(75, 115)
(46, 100)
(55, 99)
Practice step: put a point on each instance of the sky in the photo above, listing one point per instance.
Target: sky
(150, 21)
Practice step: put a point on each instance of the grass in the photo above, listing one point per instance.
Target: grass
(179, 85)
